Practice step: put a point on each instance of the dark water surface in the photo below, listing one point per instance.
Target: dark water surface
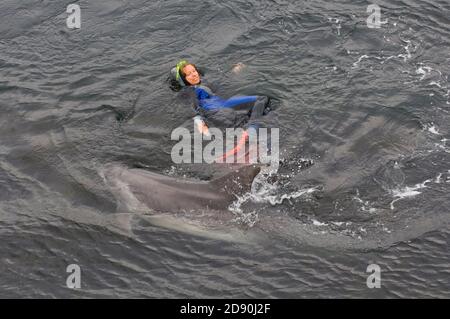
(368, 108)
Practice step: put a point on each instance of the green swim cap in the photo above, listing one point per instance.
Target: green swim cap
(180, 66)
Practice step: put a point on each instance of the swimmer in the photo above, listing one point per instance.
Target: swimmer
(187, 75)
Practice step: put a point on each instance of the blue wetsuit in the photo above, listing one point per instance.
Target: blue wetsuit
(206, 102)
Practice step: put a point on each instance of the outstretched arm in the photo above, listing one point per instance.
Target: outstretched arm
(238, 67)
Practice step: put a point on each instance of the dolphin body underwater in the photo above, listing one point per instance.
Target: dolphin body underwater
(187, 205)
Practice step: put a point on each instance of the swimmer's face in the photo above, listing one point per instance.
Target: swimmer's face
(191, 75)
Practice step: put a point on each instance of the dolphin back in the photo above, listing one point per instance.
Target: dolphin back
(239, 181)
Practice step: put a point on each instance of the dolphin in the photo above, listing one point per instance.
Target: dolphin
(186, 205)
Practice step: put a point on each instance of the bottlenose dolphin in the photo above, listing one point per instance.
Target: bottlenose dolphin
(187, 205)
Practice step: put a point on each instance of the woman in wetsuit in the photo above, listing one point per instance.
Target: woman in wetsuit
(204, 100)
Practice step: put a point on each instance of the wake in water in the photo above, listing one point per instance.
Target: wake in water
(369, 212)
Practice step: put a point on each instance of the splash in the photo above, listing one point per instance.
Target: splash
(407, 191)
(264, 192)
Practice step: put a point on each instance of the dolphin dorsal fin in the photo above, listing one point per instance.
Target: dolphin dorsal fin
(238, 181)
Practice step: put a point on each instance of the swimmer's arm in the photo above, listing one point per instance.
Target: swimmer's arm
(201, 125)
(199, 120)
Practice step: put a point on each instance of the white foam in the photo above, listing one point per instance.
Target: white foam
(443, 147)
(277, 199)
(407, 191)
(317, 223)
(359, 60)
(408, 53)
(248, 219)
(265, 192)
(436, 83)
(432, 129)
(438, 179)
(424, 71)
(365, 205)
(338, 223)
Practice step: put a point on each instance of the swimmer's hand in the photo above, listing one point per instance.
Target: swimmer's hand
(237, 68)
(201, 126)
